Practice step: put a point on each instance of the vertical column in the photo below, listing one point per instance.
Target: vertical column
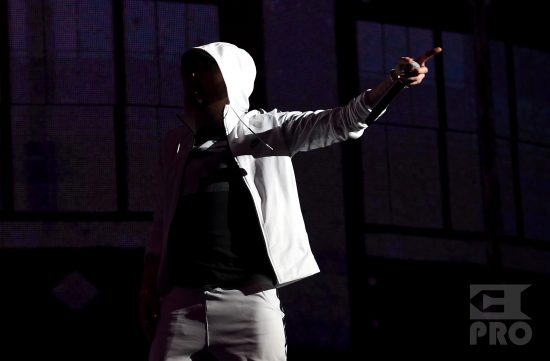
(514, 139)
(6, 163)
(119, 112)
(442, 136)
(487, 137)
(352, 169)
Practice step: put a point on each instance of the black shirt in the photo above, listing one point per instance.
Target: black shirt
(215, 238)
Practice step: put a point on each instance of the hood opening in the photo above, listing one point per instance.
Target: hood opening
(237, 68)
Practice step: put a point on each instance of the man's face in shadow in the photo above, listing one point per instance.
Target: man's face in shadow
(203, 83)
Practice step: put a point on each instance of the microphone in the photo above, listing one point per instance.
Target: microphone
(391, 93)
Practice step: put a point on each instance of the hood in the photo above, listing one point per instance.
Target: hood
(238, 70)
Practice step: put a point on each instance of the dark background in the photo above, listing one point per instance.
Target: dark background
(450, 188)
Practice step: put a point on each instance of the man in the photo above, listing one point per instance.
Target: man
(228, 230)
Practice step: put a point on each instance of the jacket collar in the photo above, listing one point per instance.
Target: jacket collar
(231, 117)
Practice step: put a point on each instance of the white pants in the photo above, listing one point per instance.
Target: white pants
(228, 324)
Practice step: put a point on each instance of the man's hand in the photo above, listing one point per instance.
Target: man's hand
(411, 71)
(408, 71)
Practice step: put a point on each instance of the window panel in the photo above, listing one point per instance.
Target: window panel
(414, 177)
(532, 95)
(140, 26)
(395, 38)
(82, 78)
(65, 37)
(72, 62)
(146, 128)
(26, 26)
(143, 81)
(171, 90)
(535, 189)
(74, 234)
(459, 82)
(376, 177)
(506, 185)
(464, 181)
(156, 34)
(64, 158)
(370, 49)
(499, 83)
(172, 20)
(95, 25)
(27, 61)
(28, 79)
(142, 68)
(425, 249)
(203, 20)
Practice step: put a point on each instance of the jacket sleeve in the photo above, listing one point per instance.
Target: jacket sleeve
(305, 131)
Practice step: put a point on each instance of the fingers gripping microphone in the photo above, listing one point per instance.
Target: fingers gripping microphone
(402, 69)
(392, 92)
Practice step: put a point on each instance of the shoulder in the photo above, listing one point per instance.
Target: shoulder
(262, 118)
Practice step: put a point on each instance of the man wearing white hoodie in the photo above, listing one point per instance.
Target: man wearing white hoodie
(228, 230)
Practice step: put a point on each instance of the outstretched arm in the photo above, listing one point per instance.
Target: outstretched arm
(311, 130)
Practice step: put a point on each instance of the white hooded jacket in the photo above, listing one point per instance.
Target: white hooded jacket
(269, 172)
